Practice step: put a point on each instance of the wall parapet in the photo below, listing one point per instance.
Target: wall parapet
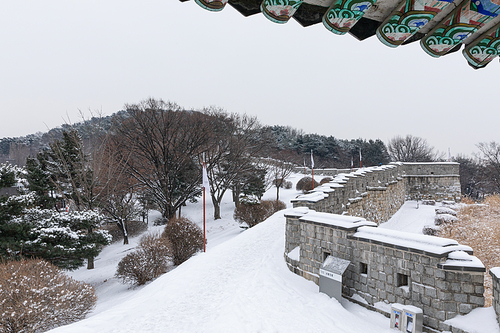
(495, 274)
(376, 193)
(387, 265)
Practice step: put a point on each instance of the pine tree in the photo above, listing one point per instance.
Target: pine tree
(12, 232)
(40, 181)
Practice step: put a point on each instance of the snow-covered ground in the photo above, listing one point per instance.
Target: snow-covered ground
(241, 284)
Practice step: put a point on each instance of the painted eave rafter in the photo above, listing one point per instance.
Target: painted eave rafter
(441, 26)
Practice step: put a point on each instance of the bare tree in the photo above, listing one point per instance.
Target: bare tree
(411, 149)
(163, 143)
(471, 176)
(118, 190)
(490, 160)
(229, 154)
(280, 167)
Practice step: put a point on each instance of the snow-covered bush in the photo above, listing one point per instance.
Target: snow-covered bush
(64, 239)
(253, 214)
(446, 210)
(287, 184)
(36, 296)
(151, 260)
(325, 180)
(186, 238)
(444, 218)
(431, 230)
(306, 184)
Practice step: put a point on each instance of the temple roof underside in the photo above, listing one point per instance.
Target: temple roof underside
(440, 26)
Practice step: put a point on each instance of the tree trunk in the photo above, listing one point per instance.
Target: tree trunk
(90, 262)
(169, 212)
(123, 227)
(217, 210)
(125, 232)
(277, 193)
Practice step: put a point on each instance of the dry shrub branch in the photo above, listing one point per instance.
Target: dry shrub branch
(35, 296)
(151, 260)
(254, 213)
(478, 227)
(186, 238)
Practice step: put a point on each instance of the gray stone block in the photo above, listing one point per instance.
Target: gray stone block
(443, 285)
(431, 292)
(450, 306)
(428, 281)
(417, 288)
(464, 308)
(444, 296)
(478, 300)
(460, 298)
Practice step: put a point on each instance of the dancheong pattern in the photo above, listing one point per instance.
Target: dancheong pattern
(280, 11)
(462, 22)
(343, 14)
(465, 18)
(484, 49)
(212, 5)
(409, 17)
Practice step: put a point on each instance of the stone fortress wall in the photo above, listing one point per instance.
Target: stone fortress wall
(376, 193)
(438, 275)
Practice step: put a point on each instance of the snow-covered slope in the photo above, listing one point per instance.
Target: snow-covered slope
(240, 285)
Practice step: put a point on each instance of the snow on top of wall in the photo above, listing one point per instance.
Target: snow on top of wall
(431, 244)
(496, 271)
(297, 212)
(323, 188)
(311, 197)
(462, 259)
(342, 221)
(429, 163)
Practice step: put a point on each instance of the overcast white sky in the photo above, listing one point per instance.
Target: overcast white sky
(58, 57)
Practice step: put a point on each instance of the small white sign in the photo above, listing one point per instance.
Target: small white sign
(333, 276)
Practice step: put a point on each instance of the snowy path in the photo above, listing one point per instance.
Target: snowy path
(242, 285)
(409, 218)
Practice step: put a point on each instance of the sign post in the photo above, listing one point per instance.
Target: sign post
(330, 276)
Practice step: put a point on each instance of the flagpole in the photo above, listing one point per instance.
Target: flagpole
(204, 245)
(360, 165)
(312, 169)
(204, 248)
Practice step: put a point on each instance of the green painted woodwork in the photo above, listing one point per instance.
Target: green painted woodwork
(279, 11)
(462, 22)
(484, 49)
(344, 14)
(408, 18)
